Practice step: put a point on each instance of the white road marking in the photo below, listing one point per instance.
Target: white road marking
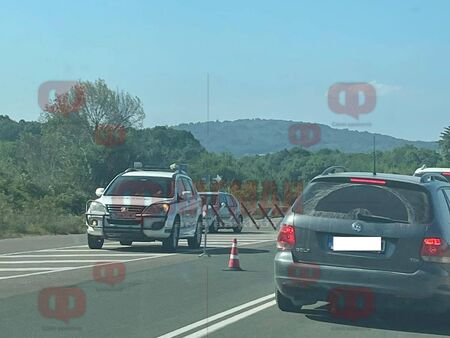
(38, 250)
(80, 255)
(216, 317)
(204, 332)
(64, 261)
(76, 254)
(27, 269)
(77, 267)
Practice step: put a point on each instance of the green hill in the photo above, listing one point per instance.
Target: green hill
(258, 136)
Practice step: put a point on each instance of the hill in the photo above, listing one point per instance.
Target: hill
(258, 136)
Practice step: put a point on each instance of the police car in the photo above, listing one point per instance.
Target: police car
(441, 171)
(146, 204)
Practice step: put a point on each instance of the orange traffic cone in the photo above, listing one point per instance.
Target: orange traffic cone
(233, 263)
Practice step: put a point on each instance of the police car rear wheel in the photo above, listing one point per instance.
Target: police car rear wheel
(195, 242)
(95, 242)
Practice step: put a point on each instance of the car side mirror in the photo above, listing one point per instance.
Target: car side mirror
(99, 191)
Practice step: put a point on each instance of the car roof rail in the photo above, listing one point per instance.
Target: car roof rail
(149, 168)
(333, 169)
(428, 177)
(173, 168)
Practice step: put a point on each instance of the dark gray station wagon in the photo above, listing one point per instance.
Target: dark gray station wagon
(383, 236)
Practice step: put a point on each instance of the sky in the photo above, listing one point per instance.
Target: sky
(266, 59)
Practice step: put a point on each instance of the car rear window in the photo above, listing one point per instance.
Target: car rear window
(346, 200)
(141, 186)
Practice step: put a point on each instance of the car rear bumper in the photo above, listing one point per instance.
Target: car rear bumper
(307, 281)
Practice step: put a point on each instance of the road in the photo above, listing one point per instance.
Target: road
(53, 286)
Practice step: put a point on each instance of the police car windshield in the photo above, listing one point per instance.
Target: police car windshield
(141, 186)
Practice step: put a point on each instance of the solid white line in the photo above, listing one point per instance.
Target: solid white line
(204, 332)
(99, 251)
(27, 269)
(39, 250)
(77, 267)
(77, 255)
(64, 261)
(215, 317)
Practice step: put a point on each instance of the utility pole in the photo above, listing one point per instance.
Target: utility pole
(208, 177)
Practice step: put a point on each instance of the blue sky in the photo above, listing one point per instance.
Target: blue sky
(266, 59)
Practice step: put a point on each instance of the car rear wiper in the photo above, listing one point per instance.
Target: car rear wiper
(380, 219)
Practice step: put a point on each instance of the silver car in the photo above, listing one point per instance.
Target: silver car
(221, 211)
(144, 205)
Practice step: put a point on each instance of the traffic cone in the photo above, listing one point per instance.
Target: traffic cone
(233, 263)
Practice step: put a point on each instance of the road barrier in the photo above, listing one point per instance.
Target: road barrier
(266, 214)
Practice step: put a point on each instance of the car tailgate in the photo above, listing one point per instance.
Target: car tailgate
(401, 243)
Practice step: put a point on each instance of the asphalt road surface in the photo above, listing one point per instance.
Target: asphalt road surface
(54, 286)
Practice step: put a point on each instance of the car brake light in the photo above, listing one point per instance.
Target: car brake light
(286, 237)
(435, 249)
(367, 180)
(446, 173)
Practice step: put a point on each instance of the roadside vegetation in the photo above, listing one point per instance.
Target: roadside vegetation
(50, 168)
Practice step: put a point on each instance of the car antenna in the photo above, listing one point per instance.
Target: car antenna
(374, 157)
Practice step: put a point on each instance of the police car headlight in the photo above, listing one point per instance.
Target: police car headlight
(97, 208)
(158, 209)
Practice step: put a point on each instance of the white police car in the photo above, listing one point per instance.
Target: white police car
(424, 170)
(144, 205)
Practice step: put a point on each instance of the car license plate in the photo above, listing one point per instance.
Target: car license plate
(339, 243)
(124, 215)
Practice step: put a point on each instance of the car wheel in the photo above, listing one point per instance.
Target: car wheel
(171, 243)
(285, 304)
(214, 227)
(196, 241)
(238, 229)
(95, 242)
(126, 242)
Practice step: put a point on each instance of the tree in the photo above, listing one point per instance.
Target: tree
(444, 143)
(99, 107)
